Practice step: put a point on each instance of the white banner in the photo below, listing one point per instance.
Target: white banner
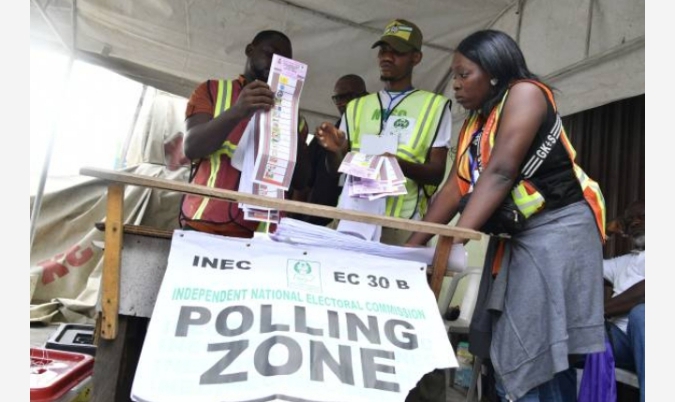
(254, 320)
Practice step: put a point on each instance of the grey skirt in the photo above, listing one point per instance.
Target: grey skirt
(546, 302)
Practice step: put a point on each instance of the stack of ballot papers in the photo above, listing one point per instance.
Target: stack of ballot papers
(372, 176)
(298, 232)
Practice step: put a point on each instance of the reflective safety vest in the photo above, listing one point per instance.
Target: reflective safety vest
(216, 171)
(363, 116)
(524, 194)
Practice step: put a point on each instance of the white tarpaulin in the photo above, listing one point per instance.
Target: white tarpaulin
(592, 51)
(254, 320)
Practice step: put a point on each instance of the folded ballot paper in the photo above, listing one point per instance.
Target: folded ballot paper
(372, 176)
(370, 179)
(302, 233)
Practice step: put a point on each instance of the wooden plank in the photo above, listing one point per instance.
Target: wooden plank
(440, 263)
(140, 230)
(283, 205)
(110, 284)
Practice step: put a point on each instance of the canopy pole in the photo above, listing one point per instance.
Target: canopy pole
(521, 7)
(589, 26)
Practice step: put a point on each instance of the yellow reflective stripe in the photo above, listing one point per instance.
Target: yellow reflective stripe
(224, 97)
(493, 133)
(427, 129)
(394, 206)
(227, 148)
(355, 136)
(530, 207)
(214, 160)
(407, 153)
(588, 183)
(581, 176)
(404, 203)
(421, 125)
(436, 107)
(228, 96)
(202, 207)
(568, 145)
(219, 100)
(215, 167)
(424, 204)
(528, 204)
(223, 102)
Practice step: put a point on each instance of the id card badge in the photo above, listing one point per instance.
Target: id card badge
(401, 127)
(372, 144)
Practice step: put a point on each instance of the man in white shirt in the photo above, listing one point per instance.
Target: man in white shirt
(625, 294)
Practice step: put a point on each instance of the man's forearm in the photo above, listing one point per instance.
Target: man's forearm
(422, 173)
(205, 135)
(622, 304)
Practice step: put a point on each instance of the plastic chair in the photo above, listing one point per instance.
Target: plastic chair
(471, 276)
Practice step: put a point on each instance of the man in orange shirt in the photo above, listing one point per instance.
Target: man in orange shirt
(217, 114)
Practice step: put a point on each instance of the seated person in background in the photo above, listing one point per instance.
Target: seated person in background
(625, 294)
(324, 185)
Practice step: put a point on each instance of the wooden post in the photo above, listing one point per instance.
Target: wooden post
(110, 285)
(440, 263)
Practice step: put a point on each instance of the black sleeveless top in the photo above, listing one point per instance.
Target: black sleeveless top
(555, 178)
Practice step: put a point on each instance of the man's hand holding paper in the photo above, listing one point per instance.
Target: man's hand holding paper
(255, 96)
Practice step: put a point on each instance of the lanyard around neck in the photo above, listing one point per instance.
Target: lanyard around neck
(390, 107)
(473, 162)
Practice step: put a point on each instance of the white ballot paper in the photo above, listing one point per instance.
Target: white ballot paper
(248, 320)
(302, 233)
(362, 230)
(278, 141)
(267, 152)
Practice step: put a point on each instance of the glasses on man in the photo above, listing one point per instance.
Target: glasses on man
(345, 97)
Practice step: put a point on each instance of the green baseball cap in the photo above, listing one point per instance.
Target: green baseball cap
(402, 35)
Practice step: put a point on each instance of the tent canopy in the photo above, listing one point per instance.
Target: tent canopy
(591, 51)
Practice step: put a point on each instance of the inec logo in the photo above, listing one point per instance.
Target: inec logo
(401, 123)
(302, 268)
(304, 275)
